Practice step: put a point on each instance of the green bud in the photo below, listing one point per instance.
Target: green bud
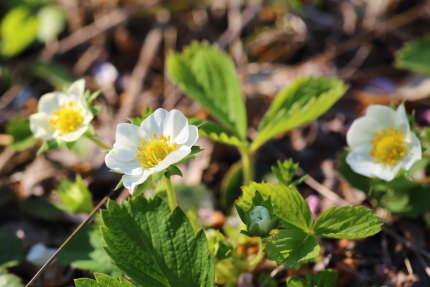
(260, 221)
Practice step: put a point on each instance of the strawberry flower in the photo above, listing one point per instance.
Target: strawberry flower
(382, 143)
(162, 139)
(62, 116)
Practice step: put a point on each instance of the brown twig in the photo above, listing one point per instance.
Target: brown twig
(71, 236)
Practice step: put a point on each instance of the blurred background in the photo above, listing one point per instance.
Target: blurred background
(119, 47)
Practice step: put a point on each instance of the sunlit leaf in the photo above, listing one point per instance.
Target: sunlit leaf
(102, 280)
(415, 56)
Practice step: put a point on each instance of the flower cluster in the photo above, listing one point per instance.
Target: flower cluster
(382, 143)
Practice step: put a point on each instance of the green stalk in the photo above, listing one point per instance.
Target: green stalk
(171, 196)
(247, 165)
(259, 255)
(98, 142)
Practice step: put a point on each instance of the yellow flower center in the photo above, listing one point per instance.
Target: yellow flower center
(388, 147)
(67, 119)
(150, 154)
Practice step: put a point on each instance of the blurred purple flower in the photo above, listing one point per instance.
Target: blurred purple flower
(104, 73)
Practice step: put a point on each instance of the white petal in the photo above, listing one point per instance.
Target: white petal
(128, 134)
(172, 158)
(72, 136)
(387, 117)
(193, 135)
(132, 181)
(40, 126)
(77, 88)
(414, 152)
(362, 163)
(117, 163)
(176, 126)
(154, 123)
(50, 102)
(360, 132)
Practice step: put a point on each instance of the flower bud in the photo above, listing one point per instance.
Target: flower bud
(260, 221)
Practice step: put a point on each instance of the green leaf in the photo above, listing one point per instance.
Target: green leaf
(18, 30)
(85, 251)
(75, 196)
(288, 205)
(138, 120)
(286, 171)
(291, 247)
(39, 207)
(52, 20)
(53, 73)
(415, 56)
(325, 278)
(103, 280)
(173, 170)
(347, 222)
(208, 76)
(302, 101)
(9, 279)
(22, 136)
(154, 246)
(11, 250)
(217, 133)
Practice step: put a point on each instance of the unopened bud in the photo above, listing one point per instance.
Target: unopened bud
(260, 221)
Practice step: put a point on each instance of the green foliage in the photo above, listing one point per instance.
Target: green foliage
(288, 205)
(230, 186)
(347, 222)
(75, 196)
(18, 30)
(217, 133)
(39, 207)
(52, 20)
(415, 56)
(138, 120)
(285, 172)
(208, 76)
(155, 246)
(291, 247)
(11, 250)
(86, 251)
(55, 74)
(103, 280)
(9, 280)
(47, 146)
(218, 245)
(325, 278)
(302, 101)
(22, 136)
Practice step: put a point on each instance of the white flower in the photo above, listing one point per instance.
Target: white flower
(382, 143)
(162, 139)
(62, 116)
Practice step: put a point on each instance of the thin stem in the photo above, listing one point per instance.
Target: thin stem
(98, 206)
(98, 142)
(259, 255)
(171, 196)
(247, 165)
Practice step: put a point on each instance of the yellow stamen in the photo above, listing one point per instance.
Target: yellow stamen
(150, 154)
(388, 146)
(67, 119)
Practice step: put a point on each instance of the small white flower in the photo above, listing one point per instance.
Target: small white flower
(62, 116)
(382, 143)
(162, 139)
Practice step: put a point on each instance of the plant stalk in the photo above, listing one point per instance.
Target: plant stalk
(98, 142)
(171, 196)
(247, 165)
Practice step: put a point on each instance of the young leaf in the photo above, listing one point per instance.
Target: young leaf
(103, 280)
(301, 102)
(347, 222)
(325, 278)
(291, 247)
(154, 246)
(208, 76)
(9, 279)
(47, 146)
(288, 205)
(217, 133)
(415, 56)
(11, 250)
(75, 196)
(285, 172)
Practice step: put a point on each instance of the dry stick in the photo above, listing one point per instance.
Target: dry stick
(407, 242)
(134, 86)
(98, 206)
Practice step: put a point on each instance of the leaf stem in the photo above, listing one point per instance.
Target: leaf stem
(259, 255)
(98, 142)
(248, 165)
(171, 196)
